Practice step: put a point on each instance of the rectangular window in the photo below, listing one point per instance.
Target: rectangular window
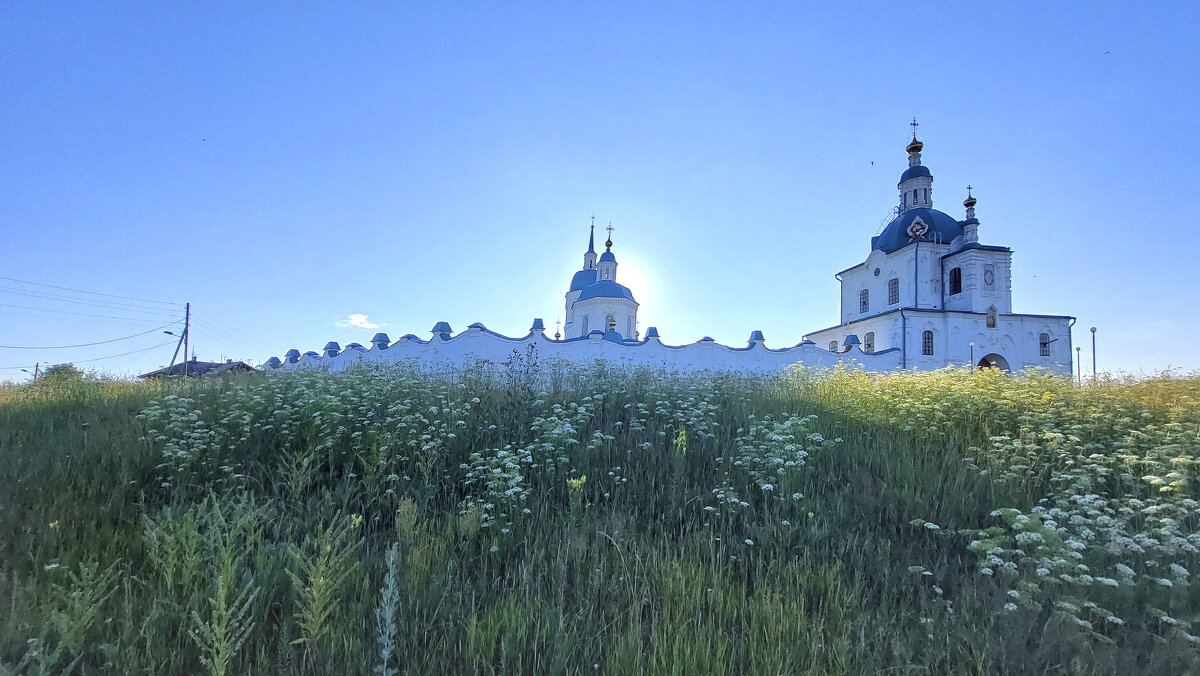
(584, 332)
(893, 291)
(1044, 344)
(864, 301)
(927, 343)
(955, 281)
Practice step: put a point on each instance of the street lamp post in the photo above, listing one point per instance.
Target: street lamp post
(1078, 366)
(972, 354)
(1093, 330)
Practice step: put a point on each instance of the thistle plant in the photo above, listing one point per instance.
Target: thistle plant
(385, 614)
(319, 570)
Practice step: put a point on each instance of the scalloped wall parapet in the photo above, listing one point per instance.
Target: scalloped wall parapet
(478, 342)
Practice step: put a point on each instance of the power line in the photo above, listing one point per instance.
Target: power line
(124, 307)
(224, 329)
(80, 314)
(114, 356)
(94, 293)
(101, 342)
(88, 361)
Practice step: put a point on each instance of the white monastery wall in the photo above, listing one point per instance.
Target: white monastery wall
(477, 342)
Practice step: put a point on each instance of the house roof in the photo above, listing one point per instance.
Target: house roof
(201, 368)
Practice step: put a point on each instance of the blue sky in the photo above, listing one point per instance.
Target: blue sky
(287, 165)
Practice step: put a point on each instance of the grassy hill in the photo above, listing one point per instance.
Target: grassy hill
(556, 519)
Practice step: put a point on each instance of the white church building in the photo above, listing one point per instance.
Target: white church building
(932, 290)
(928, 295)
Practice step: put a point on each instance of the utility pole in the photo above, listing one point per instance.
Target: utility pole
(187, 325)
(1093, 329)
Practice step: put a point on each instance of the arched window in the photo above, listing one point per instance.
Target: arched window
(893, 291)
(955, 281)
(991, 318)
(833, 346)
(1044, 344)
(864, 301)
(869, 342)
(610, 323)
(927, 343)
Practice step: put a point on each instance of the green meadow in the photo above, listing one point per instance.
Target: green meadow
(546, 518)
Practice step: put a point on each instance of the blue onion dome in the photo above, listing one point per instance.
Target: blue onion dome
(583, 278)
(915, 171)
(937, 226)
(608, 257)
(605, 288)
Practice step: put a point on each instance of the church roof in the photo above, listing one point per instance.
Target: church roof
(940, 227)
(608, 257)
(583, 278)
(605, 288)
(914, 171)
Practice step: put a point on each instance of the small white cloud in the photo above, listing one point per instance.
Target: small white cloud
(359, 320)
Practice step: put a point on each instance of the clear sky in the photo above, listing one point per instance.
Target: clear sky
(284, 166)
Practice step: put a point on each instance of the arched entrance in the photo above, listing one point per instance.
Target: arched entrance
(993, 361)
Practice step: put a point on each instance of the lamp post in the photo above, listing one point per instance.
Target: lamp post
(1093, 330)
(1078, 366)
(972, 354)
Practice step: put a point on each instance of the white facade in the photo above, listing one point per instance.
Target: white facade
(931, 290)
(928, 295)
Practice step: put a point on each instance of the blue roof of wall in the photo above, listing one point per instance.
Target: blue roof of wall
(583, 278)
(914, 171)
(608, 257)
(605, 288)
(941, 228)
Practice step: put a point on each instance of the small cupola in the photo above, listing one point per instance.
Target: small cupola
(916, 183)
(608, 262)
(971, 224)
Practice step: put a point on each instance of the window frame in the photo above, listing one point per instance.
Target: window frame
(927, 343)
(894, 291)
(955, 283)
(864, 301)
(869, 341)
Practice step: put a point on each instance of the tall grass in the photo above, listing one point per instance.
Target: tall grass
(545, 518)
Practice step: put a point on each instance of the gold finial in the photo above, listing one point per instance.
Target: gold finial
(970, 201)
(914, 146)
(609, 229)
